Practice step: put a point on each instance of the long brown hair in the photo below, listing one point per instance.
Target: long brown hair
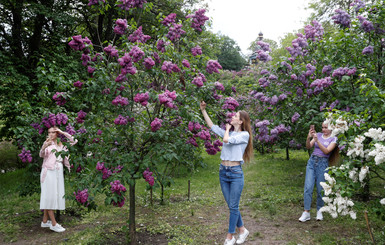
(246, 126)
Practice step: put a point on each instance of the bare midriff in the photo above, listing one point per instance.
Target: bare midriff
(230, 163)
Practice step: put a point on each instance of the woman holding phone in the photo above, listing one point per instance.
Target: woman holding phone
(323, 144)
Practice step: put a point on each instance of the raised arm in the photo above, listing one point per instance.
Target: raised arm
(310, 143)
(68, 136)
(205, 115)
(325, 150)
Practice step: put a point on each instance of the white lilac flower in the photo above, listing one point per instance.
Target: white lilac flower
(356, 149)
(339, 127)
(350, 203)
(353, 175)
(327, 199)
(376, 134)
(327, 188)
(329, 179)
(382, 201)
(364, 171)
(378, 153)
(353, 215)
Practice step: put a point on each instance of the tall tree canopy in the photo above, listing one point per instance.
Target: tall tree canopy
(230, 57)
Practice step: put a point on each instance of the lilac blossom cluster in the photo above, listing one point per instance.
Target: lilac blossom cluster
(169, 67)
(148, 63)
(121, 26)
(263, 82)
(198, 19)
(93, 2)
(111, 51)
(212, 149)
(287, 65)
(142, 98)
(275, 132)
(59, 98)
(104, 170)
(127, 67)
(359, 5)
(230, 104)
(327, 69)
(263, 131)
(342, 18)
(161, 45)
(185, 63)
(194, 126)
(331, 106)
(368, 50)
(314, 32)
(295, 117)
(119, 189)
(169, 19)
(298, 46)
(213, 66)
(50, 121)
(320, 84)
(120, 100)
(310, 69)
(25, 155)
(138, 36)
(156, 124)
(342, 71)
(263, 56)
(136, 53)
(70, 129)
(129, 4)
(264, 46)
(81, 116)
(78, 84)
(196, 50)
(199, 80)
(121, 120)
(293, 144)
(81, 44)
(366, 25)
(219, 86)
(82, 197)
(167, 99)
(147, 175)
(175, 32)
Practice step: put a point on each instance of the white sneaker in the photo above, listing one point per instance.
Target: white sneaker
(304, 217)
(242, 237)
(319, 215)
(46, 225)
(230, 242)
(57, 228)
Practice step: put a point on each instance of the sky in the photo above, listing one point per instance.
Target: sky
(243, 20)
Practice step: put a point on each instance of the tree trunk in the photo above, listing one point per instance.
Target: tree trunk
(132, 227)
(287, 153)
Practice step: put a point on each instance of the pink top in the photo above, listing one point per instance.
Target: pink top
(50, 157)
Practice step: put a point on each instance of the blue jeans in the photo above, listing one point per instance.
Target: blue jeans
(231, 179)
(315, 170)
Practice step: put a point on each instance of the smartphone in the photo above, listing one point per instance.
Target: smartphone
(312, 127)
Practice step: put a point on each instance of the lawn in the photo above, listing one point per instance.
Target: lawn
(271, 205)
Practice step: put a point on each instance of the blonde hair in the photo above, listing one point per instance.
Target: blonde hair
(246, 126)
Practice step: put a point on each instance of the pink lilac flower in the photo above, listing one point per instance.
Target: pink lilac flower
(111, 51)
(368, 50)
(293, 76)
(121, 78)
(167, 99)
(78, 84)
(106, 91)
(170, 19)
(99, 132)
(210, 149)
(138, 36)
(119, 100)
(175, 32)
(314, 32)
(61, 119)
(219, 86)
(295, 117)
(199, 80)
(230, 103)
(169, 67)
(204, 135)
(213, 66)
(136, 53)
(25, 155)
(82, 196)
(194, 126)
(198, 19)
(196, 50)
(142, 98)
(121, 120)
(234, 89)
(148, 63)
(59, 98)
(185, 63)
(342, 18)
(119, 189)
(273, 77)
(156, 124)
(81, 116)
(129, 4)
(121, 26)
(147, 175)
(93, 2)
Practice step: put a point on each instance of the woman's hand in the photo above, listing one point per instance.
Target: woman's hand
(47, 142)
(58, 130)
(315, 137)
(203, 105)
(228, 126)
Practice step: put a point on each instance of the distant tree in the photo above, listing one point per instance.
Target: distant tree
(230, 56)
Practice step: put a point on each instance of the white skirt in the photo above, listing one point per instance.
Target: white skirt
(52, 189)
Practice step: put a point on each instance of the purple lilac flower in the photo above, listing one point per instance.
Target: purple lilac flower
(210, 149)
(25, 155)
(167, 99)
(192, 141)
(299, 92)
(119, 100)
(233, 89)
(264, 46)
(298, 47)
(274, 100)
(148, 63)
(175, 32)
(118, 188)
(314, 32)
(121, 26)
(82, 130)
(142, 98)
(359, 5)
(323, 106)
(156, 57)
(230, 103)
(322, 83)
(127, 66)
(213, 66)
(129, 4)
(263, 56)
(111, 51)
(136, 53)
(93, 2)
(334, 104)
(198, 19)
(61, 119)
(282, 96)
(263, 82)
(219, 86)
(82, 196)
(138, 36)
(161, 45)
(199, 80)
(70, 129)
(295, 117)
(309, 70)
(185, 63)
(264, 72)
(169, 67)
(342, 18)
(293, 76)
(59, 98)
(327, 69)
(368, 50)
(156, 124)
(121, 120)
(85, 59)
(81, 116)
(78, 43)
(342, 71)
(78, 84)
(90, 70)
(170, 19)
(196, 50)
(204, 135)
(147, 175)
(287, 65)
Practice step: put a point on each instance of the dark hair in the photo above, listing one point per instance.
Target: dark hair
(246, 126)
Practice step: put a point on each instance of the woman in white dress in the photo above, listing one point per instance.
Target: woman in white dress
(52, 178)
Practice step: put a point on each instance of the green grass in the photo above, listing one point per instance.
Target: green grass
(272, 201)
